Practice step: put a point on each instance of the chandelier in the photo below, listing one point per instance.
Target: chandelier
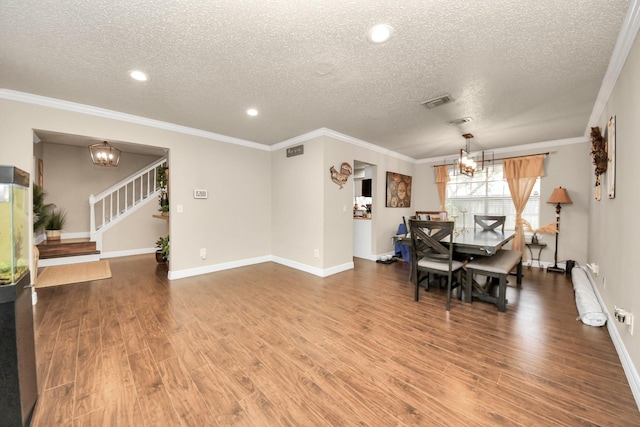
(466, 163)
(103, 154)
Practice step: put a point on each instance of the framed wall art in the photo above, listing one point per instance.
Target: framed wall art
(611, 149)
(398, 190)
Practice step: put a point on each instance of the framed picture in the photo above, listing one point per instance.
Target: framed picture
(40, 173)
(398, 190)
(611, 149)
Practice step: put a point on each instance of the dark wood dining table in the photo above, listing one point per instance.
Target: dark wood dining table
(479, 243)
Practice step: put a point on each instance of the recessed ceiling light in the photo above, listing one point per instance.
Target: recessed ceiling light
(252, 112)
(380, 33)
(139, 75)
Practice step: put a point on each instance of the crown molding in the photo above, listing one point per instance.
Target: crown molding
(115, 115)
(341, 137)
(124, 117)
(623, 46)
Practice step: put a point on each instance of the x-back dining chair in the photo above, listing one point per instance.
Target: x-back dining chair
(428, 215)
(430, 255)
(489, 222)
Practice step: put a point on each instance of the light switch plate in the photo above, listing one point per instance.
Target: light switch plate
(200, 194)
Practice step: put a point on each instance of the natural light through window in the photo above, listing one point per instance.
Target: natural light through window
(487, 193)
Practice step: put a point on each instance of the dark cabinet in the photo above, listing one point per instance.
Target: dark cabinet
(366, 187)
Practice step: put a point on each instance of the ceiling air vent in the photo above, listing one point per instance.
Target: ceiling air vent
(460, 121)
(436, 102)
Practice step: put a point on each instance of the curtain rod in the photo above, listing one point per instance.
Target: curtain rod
(495, 160)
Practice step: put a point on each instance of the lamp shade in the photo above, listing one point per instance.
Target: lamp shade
(560, 196)
(103, 154)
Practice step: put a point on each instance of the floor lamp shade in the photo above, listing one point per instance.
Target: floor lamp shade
(559, 197)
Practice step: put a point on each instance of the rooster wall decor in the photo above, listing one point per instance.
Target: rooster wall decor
(341, 177)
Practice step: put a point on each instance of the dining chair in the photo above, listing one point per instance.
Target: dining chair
(405, 220)
(428, 215)
(489, 222)
(430, 255)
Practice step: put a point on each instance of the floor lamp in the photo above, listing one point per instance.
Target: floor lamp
(559, 197)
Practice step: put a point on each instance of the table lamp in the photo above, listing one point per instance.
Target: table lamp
(559, 197)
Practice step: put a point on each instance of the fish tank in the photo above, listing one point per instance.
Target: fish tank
(14, 225)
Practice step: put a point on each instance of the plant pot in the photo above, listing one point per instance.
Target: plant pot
(160, 257)
(53, 234)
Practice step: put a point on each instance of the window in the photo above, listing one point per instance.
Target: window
(487, 192)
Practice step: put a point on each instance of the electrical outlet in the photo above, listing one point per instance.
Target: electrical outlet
(316, 253)
(203, 253)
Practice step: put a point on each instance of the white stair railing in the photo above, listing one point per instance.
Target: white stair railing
(113, 204)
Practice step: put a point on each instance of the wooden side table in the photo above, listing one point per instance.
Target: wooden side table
(540, 247)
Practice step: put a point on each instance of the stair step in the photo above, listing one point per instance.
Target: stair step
(66, 247)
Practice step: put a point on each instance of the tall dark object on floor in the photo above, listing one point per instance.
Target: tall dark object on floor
(559, 197)
(18, 383)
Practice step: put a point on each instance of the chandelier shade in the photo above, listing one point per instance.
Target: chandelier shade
(104, 154)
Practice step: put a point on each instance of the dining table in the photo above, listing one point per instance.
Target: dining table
(468, 242)
(481, 242)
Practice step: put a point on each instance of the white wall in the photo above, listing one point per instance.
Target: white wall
(137, 233)
(612, 228)
(298, 204)
(70, 178)
(234, 223)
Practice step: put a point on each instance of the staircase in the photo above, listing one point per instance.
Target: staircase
(67, 251)
(115, 203)
(107, 209)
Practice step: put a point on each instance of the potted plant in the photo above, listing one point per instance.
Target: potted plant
(57, 220)
(41, 210)
(162, 179)
(162, 254)
(549, 228)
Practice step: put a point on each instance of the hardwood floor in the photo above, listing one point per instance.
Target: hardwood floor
(266, 345)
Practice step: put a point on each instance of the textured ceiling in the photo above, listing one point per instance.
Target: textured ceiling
(524, 71)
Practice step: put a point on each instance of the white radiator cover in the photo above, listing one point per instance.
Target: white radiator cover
(586, 301)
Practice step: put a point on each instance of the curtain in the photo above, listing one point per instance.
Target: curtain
(442, 177)
(521, 174)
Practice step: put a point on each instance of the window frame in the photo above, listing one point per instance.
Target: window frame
(495, 197)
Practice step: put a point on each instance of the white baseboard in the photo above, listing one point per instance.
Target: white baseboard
(180, 274)
(131, 252)
(78, 235)
(189, 272)
(627, 364)
(49, 262)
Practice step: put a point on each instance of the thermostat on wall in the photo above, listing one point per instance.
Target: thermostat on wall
(200, 194)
